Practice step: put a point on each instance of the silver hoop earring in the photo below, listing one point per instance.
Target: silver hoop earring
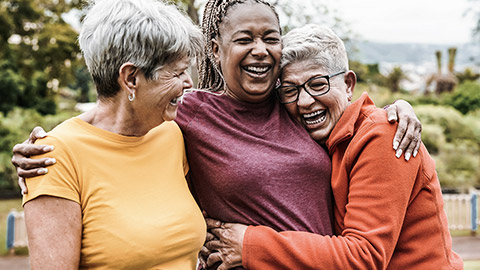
(131, 96)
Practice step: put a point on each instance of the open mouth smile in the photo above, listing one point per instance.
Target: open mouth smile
(176, 100)
(257, 70)
(315, 117)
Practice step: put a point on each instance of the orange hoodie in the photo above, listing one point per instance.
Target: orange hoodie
(388, 212)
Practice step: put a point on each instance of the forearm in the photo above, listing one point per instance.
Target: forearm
(264, 248)
(54, 233)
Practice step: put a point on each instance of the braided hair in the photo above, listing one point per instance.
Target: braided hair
(210, 74)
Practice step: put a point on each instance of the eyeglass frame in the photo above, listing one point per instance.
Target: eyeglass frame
(303, 85)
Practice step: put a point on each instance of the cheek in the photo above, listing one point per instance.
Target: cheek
(276, 52)
(336, 109)
(166, 91)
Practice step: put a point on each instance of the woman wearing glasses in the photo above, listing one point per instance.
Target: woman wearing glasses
(388, 213)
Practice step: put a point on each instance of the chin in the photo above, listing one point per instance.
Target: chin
(319, 137)
(170, 115)
(259, 89)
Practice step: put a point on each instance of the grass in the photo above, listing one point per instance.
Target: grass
(5, 207)
(455, 233)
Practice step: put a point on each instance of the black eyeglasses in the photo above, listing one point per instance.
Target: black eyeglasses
(315, 86)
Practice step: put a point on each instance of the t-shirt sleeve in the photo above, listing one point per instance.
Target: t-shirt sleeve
(61, 179)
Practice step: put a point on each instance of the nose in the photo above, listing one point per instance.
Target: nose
(259, 48)
(187, 81)
(305, 100)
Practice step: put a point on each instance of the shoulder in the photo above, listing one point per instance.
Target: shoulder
(372, 133)
(169, 129)
(191, 104)
(64, 133)
(195, 98)
(373, 121)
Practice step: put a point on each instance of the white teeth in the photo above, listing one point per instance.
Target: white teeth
(321, 119)
(312, 118)
(257, 69)
(308, 115)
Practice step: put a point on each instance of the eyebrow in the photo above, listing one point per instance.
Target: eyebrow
(248, 32)
(311, 77)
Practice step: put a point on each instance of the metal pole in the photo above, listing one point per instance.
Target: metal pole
(10, 230)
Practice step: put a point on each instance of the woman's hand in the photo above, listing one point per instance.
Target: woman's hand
(408, 137)
(227, 247)
(205, 252)
(27, 167)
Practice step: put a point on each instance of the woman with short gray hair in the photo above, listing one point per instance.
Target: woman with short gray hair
(117, 196)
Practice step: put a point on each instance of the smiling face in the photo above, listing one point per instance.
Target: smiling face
(248, 51)
(319, 114)
(159, 97)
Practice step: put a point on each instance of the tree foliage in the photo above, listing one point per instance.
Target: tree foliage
(38, 52)
(451, 137)
(466, 97)
(394, 78)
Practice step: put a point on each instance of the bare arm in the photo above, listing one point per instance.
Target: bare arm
(54, 228)
(408, 136)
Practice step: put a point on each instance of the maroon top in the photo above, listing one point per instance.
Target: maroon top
(253, 164)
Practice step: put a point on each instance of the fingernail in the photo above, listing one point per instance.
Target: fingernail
(42, 171)
(407, 156)
(50, 161)
(42, 134)
(395, 145)
(398, 153)
(415, 153)
(48, 148)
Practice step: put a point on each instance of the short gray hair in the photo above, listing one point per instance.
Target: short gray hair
(316, 43)
(147, 33)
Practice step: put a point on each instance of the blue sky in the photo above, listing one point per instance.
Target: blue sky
(422, 21)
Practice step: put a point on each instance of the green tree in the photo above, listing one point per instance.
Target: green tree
(466, 98)
(191, 8)
(38, 51)
(361, 70)
(394, 78)
(467, 75)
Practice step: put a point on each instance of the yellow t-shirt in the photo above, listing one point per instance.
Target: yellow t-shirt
(137, 210)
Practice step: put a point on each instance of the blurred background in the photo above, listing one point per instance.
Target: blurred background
(424, 51)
